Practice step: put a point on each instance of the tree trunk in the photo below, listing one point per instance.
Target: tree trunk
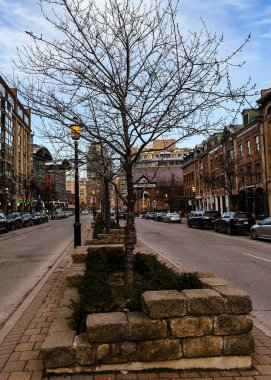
(106, 205)
(130, 232)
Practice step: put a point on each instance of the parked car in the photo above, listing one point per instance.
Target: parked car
(122, 215)
(233, 222)
(4, 226)
(14, 221)
(261, 230)
(57, 215)
(172, 217)
(159, 216)
(37, 218)
(44, 217)
(26, 219)
(84, 212)
(203, 219)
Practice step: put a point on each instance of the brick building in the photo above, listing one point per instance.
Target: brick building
(15, 148)
(265, 108)
(226, 172)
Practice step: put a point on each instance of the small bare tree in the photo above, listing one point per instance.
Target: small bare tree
(130, 75)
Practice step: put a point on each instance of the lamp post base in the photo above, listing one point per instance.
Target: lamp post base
(77, 234)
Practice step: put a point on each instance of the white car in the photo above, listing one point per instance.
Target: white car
(172, 217)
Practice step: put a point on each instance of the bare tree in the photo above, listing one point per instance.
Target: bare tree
(130, 75)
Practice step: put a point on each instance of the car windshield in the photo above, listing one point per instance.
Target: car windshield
(240, 215)
(2, 216)
(9, 216)
(211, 213)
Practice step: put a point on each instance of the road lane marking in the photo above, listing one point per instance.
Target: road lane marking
(256, 257)
(20, 238)
(181, 234)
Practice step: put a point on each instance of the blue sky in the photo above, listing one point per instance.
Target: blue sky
(234, 18)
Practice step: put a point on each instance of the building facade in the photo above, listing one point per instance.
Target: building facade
(227, 171)
(15, 150)
(265, 108)
(158, 178)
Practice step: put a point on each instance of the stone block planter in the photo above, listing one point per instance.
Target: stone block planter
(193, 329)
(207, 328)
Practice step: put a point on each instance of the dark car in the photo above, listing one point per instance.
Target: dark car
(203, 219)
(26, 219)
(57, 215)
(14, 221)
(37, 218)
(122, 215)
(44, 217)
(233, 222)
(261, 230)
(3, 223)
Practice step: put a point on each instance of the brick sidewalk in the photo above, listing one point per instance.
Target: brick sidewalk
(20, 350)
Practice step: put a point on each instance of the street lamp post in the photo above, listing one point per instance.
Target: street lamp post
(93, 204)
(117, 202)
(75, 134)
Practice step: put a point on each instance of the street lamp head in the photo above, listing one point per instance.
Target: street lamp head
(193, 189)
(75, 129)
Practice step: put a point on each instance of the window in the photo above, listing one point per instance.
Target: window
(248, 147)
(240, 151)
(230, 154)
(257, 143)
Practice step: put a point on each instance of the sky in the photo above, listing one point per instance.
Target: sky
(236, 19)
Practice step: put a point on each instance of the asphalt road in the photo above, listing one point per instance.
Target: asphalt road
(244, 262)
(26, 255)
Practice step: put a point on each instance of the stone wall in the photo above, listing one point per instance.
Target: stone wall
(197, 328)
(115, 236)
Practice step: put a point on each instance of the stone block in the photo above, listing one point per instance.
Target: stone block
(158, 350)
(141, 327)
(107, 327)
(116, 352)
(109, 247)
(235, 300)
(203, 346)
(191, 326)
(79, 254)
(75, 273)
(102, 236)
(84, 351)
(226, 324)
(203, 301)
(58, 350)
(163, 303)
(238, 344)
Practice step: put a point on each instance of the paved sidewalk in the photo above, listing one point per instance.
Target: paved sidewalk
(21, 341)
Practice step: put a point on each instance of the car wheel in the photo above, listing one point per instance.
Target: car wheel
(189, 225)
(253, 235)
(12, 227)
(216, 228)
(201, 226)
(229, 230)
